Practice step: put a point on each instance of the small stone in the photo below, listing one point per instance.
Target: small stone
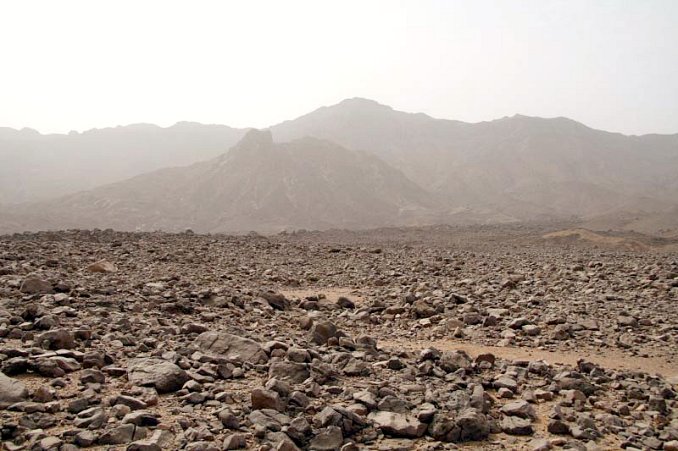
(102, 266)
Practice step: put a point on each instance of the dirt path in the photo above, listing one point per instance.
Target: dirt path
(610, 358)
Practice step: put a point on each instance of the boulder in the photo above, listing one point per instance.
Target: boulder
(519, 408)
(328, 439)
(292, 372)
(321, 332)
(163, 375)
(451, 361)
(56, 339)
(224, 345)
(11, 391)
(516, 426)
(35, 285)
(397, 424)
(473, 425)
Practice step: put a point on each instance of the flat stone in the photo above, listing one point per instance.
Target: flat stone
(397, 424)
(230, 346)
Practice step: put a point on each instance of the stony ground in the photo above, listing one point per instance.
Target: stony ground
(438, 338)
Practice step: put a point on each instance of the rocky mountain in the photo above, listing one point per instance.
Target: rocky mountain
(34, 166)
(258, 185)
(517, 167)
(384, 167)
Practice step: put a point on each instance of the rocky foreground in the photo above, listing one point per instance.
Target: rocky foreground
(395, 339)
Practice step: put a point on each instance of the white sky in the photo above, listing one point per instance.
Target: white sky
(82, 64)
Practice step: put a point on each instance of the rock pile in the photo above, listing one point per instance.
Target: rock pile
(207, 343)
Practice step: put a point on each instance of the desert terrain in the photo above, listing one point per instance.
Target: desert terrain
(526, 337)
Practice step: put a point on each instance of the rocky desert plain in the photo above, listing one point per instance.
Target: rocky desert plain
(522, 337)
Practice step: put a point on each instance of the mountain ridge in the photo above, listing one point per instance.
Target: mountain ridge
(258, 184)
(347, 101)
(513, 169)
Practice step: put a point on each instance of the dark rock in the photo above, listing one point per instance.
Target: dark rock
(322, 332)
(516, 426)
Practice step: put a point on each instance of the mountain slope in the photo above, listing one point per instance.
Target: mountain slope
(520, 166)
(257, 185)
(35, 166)
(512, 169)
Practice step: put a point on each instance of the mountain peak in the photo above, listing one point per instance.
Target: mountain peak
(255, 142)
(362, 103)
(257, 138)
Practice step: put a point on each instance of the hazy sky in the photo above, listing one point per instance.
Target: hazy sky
(82, 64)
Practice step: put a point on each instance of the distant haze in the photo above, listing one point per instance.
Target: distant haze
(356, 164)
(81, 64)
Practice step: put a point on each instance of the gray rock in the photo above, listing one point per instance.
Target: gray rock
(163, 375)
(329, 439)
(56, 339)
(473, 425)
(453, 360)
(230, 346)
(269, 419)
(121, 435)
(286, 445)
(235, 441)
(516, 426)
(11, 391)
(397, 424)
(85, 438)
(519, 408)
(35, 285)
(50, 443)
(292, 372)
(160, 440)
(228, 419)
(92, 418)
